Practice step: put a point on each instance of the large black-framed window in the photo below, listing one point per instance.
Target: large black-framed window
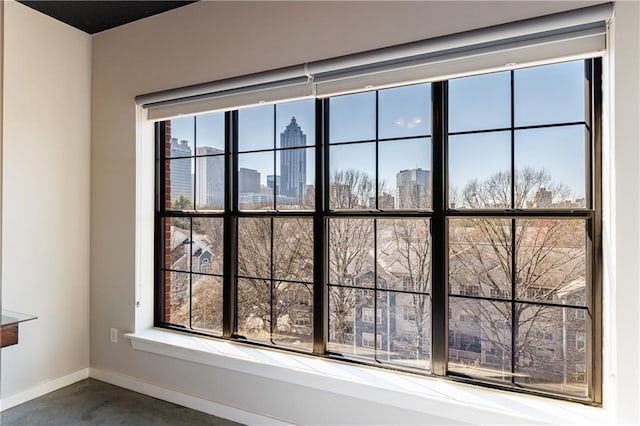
(448, 228)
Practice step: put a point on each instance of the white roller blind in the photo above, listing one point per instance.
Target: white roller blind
(567, 35)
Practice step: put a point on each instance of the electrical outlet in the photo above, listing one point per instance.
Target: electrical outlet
(114, 335)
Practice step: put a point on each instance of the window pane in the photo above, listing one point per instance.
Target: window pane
(551, 349)
(480, 339)
(350, 330)
(295, 177)
(176, 298)
(404, 254)
(206, 303)
(480, 257)
(352, 171)
(177, 243)
(404, 174)
(550, 94)
(480, 102)
(404, 329)
(208, 245)
(254, 247)
(255, 128)
(179, 184)
(352, 117)
(253, 173)
(550, 167)
(480, 170)
(209, 180)
(254, 309)
(295, 124)
(404, 111)
(180, 133)
(293, 249)
(551, 260)
(292, 315)
(210, 132)
(350, 252)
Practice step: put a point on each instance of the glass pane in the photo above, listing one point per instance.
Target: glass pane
(404, 329)
(551, 349)
(551, 260)
(206, 313)
(177, 243)
(404, 254)
(351, 252)
(210, 133)
(209, 181)
(295, 124)
(404, 111)
(550, 167)
(480, 102)
(294, 180)
(404, 172)
(352, 117)
(176, 298)
(550, 94)
(293, 249)
(254, 247)
(351, 322)
(480, 170)
(254, 309)
(352, 173)
(179, 184)
(180, 137)
(480, 257)
(480, 338)
(293, 315)
(255, 128)
(208, 245)
(253, 173)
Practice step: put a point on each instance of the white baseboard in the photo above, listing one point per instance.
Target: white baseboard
(43, 389)
(186, 400)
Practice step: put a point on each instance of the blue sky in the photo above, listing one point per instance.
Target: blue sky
(542, 95)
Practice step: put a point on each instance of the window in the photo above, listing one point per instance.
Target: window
(394, 221)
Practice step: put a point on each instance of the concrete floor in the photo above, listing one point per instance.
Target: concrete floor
(91, 402)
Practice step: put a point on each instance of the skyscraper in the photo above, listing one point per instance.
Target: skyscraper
(248, 181)
(413, 189)
(210, 178)
(293, 162)
(181, 179)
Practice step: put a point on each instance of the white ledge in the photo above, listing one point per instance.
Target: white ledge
(460, 402)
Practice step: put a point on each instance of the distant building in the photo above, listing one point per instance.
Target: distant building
(210, 178)
(293, 162)
(542, 198)
(180, 173)
(248, 181)
(273, 181)
(413, 189)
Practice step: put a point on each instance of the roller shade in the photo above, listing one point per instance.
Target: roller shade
(567, 35)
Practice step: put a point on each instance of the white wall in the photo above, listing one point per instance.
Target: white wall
(212, 40)
(45, 245)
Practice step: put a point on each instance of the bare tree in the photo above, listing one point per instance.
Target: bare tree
(549, 257)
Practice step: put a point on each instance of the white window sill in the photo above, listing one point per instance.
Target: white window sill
(423, 394)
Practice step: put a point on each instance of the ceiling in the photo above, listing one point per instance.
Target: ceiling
(95, 16)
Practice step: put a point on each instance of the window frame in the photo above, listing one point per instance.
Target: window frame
(439, 216)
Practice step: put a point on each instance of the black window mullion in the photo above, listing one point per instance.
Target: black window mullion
(514, 318)
(230, 293)
(159, 300)
(439, 260)
(320, 235)
(513, 143)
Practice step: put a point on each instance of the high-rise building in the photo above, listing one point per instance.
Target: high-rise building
(248, 181)
(413, 189)
(293, 162)
(273, 181)
(181, 178)
(542, 198)
(209, 178)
